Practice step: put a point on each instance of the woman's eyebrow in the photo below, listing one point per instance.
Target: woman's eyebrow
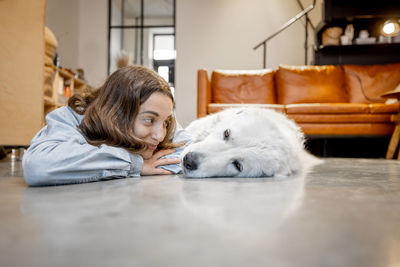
(150, 112)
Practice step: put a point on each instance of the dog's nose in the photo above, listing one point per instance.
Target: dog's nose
(190, 161)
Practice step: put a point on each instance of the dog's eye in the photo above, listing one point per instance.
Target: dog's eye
(238, 165)
(227, 132)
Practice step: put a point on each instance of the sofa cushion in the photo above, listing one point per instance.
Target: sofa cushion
(310, 84)
(327, 108)
(248, 86)
(342, 108)
(376, 80)
(384, 108)
(340, 118)
(347, 129)
(212, 108)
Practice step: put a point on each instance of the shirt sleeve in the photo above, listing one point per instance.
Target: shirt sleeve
(181, 136)
(59, 154)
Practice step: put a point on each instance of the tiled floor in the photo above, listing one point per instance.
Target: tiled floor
(344, 212)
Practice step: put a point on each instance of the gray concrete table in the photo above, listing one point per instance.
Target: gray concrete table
(344, 212)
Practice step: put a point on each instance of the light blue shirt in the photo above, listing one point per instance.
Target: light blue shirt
(59, 154)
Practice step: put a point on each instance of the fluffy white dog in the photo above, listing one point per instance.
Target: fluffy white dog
(244, 142)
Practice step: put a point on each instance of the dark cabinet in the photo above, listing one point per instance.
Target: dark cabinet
(363, 15)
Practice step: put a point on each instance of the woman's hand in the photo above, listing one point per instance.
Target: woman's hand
(150, 165)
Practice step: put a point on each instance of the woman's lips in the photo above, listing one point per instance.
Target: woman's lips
(151, 146)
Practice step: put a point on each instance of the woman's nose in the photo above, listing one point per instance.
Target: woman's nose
(159, 133)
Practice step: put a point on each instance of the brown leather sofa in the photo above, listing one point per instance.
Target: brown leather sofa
(325, 101)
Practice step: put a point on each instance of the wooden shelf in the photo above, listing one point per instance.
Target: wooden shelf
(64, 85)
(48, 101)
(65, 73)
(363, 54)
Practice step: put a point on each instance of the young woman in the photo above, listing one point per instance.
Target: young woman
(125, 128)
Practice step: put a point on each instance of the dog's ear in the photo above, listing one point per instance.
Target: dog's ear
(201, 128)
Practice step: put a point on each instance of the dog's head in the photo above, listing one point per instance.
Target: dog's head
(242, 143)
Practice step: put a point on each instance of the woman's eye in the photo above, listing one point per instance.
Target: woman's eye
(149, 121)
(227, 133)
(166, 123)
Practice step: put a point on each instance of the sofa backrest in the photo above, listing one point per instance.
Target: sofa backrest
(310, 84)
(299, 84)
(248, 86)
(376, 80)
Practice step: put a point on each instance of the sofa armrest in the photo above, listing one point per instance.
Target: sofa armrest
(203, 93)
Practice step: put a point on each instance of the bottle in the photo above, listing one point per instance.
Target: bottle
(67, 91)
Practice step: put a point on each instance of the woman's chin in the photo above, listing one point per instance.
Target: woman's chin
(147, 154)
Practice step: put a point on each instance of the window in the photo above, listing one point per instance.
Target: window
(142, 32)
(164, 55)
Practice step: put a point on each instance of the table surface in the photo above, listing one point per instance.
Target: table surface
(344, 212)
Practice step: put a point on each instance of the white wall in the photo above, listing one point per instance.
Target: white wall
(221, 34)
(211, 34)
(62, 17)
(93, 36)
(80, 27)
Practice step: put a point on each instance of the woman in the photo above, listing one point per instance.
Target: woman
(124, 129)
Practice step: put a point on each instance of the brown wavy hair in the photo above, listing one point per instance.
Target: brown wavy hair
(111, 110)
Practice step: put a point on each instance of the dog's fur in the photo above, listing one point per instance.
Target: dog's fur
(244, 142)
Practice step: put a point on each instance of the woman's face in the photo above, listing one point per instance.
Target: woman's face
(151, 122)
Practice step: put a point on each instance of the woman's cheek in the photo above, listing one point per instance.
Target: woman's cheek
(141, 131)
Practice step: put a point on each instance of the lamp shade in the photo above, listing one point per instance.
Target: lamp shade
(390, 28)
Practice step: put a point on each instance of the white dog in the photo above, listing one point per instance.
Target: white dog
(244, 142)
